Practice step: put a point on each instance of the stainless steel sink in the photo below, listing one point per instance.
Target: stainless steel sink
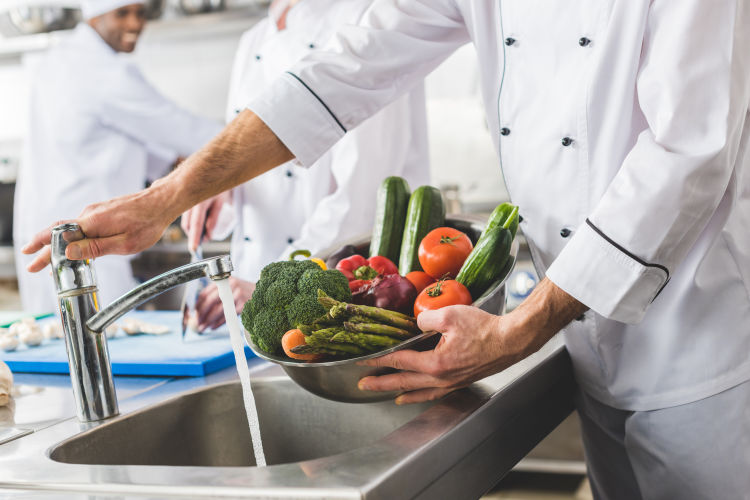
(208, 428)
(188, 438)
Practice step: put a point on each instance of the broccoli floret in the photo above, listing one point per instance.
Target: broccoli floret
(304, 310)
(268, 328)
(286, 296)
(247, 316)
(333, 282)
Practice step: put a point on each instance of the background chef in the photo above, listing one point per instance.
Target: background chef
(294, 207)
(97, 129)
(623, 129)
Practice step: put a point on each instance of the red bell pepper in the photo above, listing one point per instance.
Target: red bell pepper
(360, 271)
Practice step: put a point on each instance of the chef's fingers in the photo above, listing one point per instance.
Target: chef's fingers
(438, 320)
(206, 299)
(212, 217)
(213, 318)
(422, 395)
(40, 261)
(92, 248)
(197, 221)
(425, 362)
(42, 238)
(400, 381)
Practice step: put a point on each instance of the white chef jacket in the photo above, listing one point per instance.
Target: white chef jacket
(621, 130)
(97, 130)
(293, 207)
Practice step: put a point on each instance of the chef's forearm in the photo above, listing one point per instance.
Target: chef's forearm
(245, 149)
(543, 314)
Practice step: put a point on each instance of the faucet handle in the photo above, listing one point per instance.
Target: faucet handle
(69, 274)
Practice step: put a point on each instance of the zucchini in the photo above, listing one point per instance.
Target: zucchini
(505, 215)
(486, 261)
(390, 217)
(426, 212)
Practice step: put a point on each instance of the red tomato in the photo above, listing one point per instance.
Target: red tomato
(441, 294)
(292, 339)
(443, 251)
(420, 279)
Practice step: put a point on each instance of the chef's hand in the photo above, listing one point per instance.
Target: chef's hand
(203, 215)
(474, 345)
(245, 149)
(209, 308)
(121, 226)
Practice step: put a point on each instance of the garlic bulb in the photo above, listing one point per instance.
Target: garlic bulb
(6, 383)
(52, 330)
(8, 343)
(31, 335)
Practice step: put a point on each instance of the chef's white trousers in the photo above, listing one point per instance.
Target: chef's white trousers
(699, 450)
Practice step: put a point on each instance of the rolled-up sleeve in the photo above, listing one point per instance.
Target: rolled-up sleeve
(693, 87)
(363, 69)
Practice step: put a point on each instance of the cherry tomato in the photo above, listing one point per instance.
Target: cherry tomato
(292, 339)
(420, 279)
(443, 251)
(441, 294)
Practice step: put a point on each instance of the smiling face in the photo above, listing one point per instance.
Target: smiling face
(121, 27)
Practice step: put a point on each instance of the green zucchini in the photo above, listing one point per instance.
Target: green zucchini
(505, 215)
(390, 217)
(426, 212)
(486, 261)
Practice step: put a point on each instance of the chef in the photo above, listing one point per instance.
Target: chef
(294, 207)
(622, 130)
(98, 129)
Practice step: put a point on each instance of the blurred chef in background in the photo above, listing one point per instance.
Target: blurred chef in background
(97, 129)
(295, 207)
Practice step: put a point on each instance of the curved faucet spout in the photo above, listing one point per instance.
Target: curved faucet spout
(216, 268)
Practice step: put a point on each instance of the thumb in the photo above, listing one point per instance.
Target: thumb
(91, 248)
(430, 320)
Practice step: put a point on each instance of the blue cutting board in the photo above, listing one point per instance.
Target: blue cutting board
(151, 355)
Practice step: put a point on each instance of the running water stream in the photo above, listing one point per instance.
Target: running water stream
(238, 346)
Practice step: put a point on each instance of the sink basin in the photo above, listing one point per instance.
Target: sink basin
(208, 428)
(188, 438)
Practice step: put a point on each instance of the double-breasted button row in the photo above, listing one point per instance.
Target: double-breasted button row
(566, 141)
(310, 45)
(583, 41)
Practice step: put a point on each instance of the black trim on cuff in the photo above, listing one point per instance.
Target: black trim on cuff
(634, 257)
(319, 100)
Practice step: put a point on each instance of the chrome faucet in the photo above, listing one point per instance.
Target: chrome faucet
(84, 324)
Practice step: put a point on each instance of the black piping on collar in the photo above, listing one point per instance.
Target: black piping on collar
(634, 257)
(319, 100)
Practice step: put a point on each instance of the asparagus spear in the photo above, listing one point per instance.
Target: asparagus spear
(308, 349)
(368, 341)
(378, 329)
(340, 348)
(342, 310)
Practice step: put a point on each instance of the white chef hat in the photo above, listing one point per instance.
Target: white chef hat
(93, 8)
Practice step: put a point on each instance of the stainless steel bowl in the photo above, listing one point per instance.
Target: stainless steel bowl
(337, 380)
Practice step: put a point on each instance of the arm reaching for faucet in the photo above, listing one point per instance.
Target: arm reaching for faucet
(245, 149)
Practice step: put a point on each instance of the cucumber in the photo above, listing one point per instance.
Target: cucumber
(505, 215)
(486, 261)
(390, 217)
(426, 212)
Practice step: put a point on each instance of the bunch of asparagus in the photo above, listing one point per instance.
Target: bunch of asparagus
(348, 330)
